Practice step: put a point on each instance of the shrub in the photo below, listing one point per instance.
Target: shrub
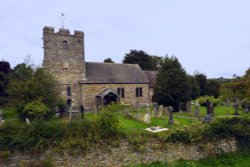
(40, 163)
(5, 154)
(203, 100)
(41, 134)
(36, 110)
(108, 122)
(220, 128)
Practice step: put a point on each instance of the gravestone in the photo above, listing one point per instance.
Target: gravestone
(236, 106)
(170, 111)
(27, 120)
(189, 106)
(95, 109)
(208, 118)
(147, 118)
(148, 109)
(165, 111)
(160, 111)
(197, 109)
(126, 113)
(211, 108)
(138, 116)
(208, 106)
(155, 109)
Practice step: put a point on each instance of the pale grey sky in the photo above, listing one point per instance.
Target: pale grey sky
(209, 36)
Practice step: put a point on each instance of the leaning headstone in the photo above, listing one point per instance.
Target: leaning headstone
(160, 111)
(147, 118)
(27, 120)
(170, 110)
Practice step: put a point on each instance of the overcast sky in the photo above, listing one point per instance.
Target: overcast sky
(208, 36)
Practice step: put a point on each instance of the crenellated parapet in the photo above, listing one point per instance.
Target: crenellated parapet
(62, 31)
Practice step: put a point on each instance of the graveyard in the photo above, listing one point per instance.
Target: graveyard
(115, 125)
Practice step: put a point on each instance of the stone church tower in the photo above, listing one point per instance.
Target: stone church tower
(64, 58)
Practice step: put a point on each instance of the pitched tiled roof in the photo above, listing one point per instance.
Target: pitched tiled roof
(114, 73)
(151, 75)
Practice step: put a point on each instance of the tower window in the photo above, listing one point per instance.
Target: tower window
(65, 45)
(68, 91)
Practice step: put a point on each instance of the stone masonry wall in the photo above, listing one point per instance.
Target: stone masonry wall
(64, 58)
(89, 92)
(124, 154)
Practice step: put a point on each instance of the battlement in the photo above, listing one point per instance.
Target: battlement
(62, 31)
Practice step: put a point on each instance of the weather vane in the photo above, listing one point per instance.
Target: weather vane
(62, 19)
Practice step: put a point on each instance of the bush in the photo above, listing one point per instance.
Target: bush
(108, 121)
(40, 134)
(203, 100)
(36, 110)
(5, 154)
(220, 128)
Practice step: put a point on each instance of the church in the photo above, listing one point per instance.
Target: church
(92, 84)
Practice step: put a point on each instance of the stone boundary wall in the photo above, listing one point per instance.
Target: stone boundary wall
(125, 154)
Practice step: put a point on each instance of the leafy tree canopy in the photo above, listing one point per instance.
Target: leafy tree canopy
(237, 88)
(108, 60)
(27, 85)
(172, 84)
(145, 61)
(4, 80)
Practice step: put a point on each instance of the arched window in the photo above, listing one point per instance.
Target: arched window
(68, 91)
(65, 45)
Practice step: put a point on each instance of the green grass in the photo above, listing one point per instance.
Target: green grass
(127, 125)
(237, 159)
(10, 114)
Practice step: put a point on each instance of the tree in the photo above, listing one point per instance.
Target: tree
(27, 85)
(202, 81)
(212, 88)
(108, 60)
(145, 61)
(194, 87)
(172, 84)
(4, 80)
